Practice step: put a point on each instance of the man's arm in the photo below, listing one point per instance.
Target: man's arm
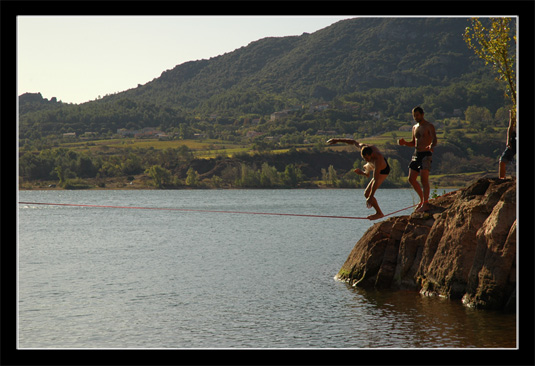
(435, 141)
(411, 143)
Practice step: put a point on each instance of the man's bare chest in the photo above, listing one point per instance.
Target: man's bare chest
(421, 132)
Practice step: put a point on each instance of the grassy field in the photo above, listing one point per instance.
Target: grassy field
(211, 148)
(393, 136)
(204, 149)
(201, 148)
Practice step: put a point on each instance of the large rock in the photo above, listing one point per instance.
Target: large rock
(464, 248)
(492, 278)
(371, 261)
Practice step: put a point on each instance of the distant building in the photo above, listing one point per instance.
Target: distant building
(89, 135)
(284, 113)
(277, 115)
(124, 132)
(143, 133)
(163, 137)
(323, 133)
(319, 107)
(253, 134)
(272, 138)
(375, 115)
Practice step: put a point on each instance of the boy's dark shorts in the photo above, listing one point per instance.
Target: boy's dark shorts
(421, 160)
(507, 155)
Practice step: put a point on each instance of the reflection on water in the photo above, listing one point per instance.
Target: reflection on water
(117, 278)
(409, 318)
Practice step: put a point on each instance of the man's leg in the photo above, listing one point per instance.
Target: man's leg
(413, 175)
(424, 176)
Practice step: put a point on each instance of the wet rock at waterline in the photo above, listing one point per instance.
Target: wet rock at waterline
(463, 248)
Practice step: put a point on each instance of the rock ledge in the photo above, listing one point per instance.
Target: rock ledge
(463, 248)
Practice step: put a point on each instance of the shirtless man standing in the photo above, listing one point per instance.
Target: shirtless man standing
(424, 139)
(376, 162)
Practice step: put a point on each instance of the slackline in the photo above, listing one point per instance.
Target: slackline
(208, 211)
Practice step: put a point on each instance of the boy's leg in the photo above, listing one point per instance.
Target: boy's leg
(368, 191)
(373, 202)
(502, 170)
(378, 213)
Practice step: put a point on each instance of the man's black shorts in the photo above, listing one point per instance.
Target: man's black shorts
(421, 160)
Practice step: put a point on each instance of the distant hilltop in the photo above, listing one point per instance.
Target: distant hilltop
(357, 67)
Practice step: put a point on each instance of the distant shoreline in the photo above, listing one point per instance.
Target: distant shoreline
(437, 182)
(150, 188)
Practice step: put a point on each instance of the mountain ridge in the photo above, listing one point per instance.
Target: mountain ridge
(348, 61)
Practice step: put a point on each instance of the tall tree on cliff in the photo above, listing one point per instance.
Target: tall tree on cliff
(493, 44)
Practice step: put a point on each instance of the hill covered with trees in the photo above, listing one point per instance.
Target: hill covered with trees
(359, 77)
(359, 66)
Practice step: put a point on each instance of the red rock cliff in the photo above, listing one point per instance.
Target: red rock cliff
(463, 248)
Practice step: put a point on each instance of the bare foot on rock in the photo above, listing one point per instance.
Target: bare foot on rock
(375, 217)
(422, 208)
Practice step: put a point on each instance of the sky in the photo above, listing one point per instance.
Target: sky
(81, 58)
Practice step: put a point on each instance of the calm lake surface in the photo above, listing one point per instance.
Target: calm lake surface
(92, 277)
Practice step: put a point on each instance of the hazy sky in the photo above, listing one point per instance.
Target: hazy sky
(78, 58)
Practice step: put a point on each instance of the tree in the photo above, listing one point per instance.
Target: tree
(269, 177)
(192, 178)
(161, 176)
(396, 173)
(85, 167)
(248, 177)
(292, 175)
(184, 131)
(330, 176)
(478, 117)
(61, 175)
(493, 44)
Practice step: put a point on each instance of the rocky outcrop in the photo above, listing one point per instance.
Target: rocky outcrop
(463, 248)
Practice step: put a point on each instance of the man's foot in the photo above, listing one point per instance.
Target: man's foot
(375, 216)
(422, 208)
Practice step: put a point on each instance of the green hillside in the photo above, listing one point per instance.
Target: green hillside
(384, 65)
(359, 77)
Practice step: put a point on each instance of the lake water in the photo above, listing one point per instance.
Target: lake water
(92, 277)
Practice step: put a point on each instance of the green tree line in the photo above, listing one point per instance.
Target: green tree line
(176, 168)
(347, 115)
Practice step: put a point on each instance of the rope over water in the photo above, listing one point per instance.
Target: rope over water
(208, 211)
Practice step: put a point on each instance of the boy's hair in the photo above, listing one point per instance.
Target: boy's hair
(418, 109)
(366, 151)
